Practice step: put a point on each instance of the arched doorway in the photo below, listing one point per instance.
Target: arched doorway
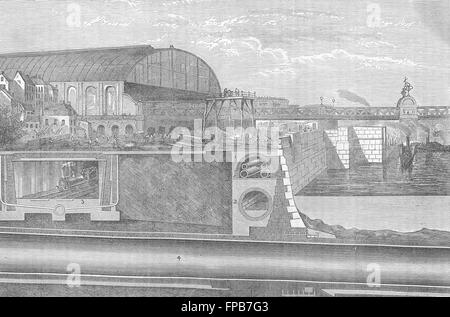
(115, 130)
(111, 101)
(129, 130)
(101, 130)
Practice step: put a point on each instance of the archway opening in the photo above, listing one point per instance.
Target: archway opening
(129, 130)
(115, 130)
(91, 101)
(101, 130)
(111, 101)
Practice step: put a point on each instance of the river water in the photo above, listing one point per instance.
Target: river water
(430, 176)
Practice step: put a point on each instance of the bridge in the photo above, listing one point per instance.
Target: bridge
(407, 108)
(326, 112)
(411, 120)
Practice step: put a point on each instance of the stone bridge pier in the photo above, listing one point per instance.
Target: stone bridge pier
(351, 146)
(311, 153)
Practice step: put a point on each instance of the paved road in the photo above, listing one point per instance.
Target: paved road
(224, 259)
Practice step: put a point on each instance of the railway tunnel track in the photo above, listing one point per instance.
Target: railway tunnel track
(80, 190)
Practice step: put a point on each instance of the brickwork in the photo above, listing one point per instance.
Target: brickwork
(339, 139)
(371, 141)
(305, 157)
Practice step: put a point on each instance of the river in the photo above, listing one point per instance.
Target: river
(430, 175)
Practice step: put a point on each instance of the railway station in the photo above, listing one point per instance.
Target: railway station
(113, 91)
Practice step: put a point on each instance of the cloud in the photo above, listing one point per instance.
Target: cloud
(279, 55)
(176, 17)
(434, 15)
(250, 47)
(377, 44)
(317, 14)
(184, 2)
(131, 3)
(351, 96)
(377, 62)
(279, 71)
(105, 21)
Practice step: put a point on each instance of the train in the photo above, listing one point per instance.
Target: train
(72, 175)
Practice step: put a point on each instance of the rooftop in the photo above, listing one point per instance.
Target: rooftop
(99, 64)
(59, 109)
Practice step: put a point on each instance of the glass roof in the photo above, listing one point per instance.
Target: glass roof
(108, 64)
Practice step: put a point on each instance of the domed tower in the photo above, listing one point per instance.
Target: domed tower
(407, 103)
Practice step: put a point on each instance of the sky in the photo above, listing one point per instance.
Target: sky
(357, 52)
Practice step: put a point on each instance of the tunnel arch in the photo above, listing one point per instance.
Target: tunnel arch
(255, 204)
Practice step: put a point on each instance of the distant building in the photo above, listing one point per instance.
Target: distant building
(10, 105)
(271, 102)
(5, 82)
(24, 90)
(35, 102)
(32, 125)
(45, 94)
(6, 99)
(58, 119)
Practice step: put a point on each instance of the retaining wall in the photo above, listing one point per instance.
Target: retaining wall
(305, 157)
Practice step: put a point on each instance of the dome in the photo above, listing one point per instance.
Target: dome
(407, 101)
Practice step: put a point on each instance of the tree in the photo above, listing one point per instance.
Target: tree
(10, 129)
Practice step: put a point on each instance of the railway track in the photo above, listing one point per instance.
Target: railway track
(80, 190)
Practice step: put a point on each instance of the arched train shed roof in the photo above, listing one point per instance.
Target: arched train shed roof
(84, 65)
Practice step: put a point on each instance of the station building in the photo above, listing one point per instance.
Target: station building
(123, 90)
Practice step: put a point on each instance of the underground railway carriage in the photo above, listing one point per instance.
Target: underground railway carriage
(59, 184)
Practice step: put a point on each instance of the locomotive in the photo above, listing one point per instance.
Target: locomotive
(72, 174)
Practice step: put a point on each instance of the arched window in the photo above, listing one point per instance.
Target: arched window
(63, 122)
(129, 130)
(101, 130)
(72, 99)
(91, 101)
(115, 130)
(111, 101)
